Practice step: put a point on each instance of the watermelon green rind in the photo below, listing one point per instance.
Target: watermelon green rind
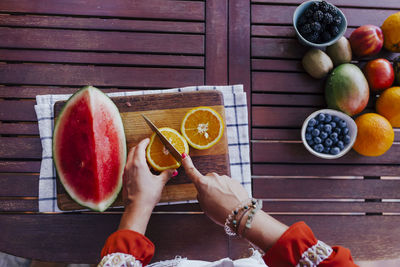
(347, 89)
(104, 204)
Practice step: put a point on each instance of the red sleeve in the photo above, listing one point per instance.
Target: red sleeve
(129, 242)
(287, 251)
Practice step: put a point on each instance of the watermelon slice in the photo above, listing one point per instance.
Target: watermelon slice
(89, 148)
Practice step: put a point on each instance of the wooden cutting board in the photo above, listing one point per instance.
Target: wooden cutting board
(165, 110)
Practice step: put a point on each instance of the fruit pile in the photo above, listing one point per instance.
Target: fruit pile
(320, 22)
(348, 88)
(327, 134)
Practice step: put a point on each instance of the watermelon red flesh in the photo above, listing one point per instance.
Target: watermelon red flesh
(89, 149)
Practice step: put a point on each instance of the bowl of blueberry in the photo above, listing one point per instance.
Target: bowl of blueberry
(328, 133)
(319, 23)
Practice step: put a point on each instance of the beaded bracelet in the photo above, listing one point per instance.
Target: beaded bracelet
(232, 217)
(256, 206)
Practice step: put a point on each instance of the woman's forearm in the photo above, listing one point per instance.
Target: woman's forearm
(135, 218)
(264, 231)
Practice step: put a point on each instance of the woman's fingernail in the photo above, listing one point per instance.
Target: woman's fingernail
(184, 155)
(175, 173)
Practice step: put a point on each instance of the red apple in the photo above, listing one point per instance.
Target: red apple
(379, 73)
(366, 40)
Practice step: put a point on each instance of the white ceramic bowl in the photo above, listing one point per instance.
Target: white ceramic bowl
(350, 124)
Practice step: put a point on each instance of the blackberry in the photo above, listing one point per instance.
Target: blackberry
(326, 36)
(328, 19)
(318, 15)
(302, 20)
(332, 10)
(337, 20)
(324, 6)
(308, 13)
(305, 29)
(334, 31)
(314, 6)
(313, 37)
(316, 26)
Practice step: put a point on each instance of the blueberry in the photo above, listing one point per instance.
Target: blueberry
(335, 140)
(345, 131)
(340, 144)
(320, 126)
(328, 128)
(336, 119)
(335, 150)
(328, 118)
(310, 142)
(328, 142)
(338, 130)
(309, 129)
(312, 122)
(321, 117)
(346, 139)
(327, 150)
(319, 148)
(315, 132)
(323, 135)
(308, 136)
(342, 124)
(317, 140)
(334, 136)
(333, 124)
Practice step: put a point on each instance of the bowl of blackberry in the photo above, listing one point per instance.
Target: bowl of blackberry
(328, 133)
(319, 23)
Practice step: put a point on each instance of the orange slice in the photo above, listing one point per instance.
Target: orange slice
(158, 155)
(202, 127)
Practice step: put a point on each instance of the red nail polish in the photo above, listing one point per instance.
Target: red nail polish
(175, 173)
(184, 155)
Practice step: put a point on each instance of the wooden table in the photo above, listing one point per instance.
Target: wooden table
(54, 46)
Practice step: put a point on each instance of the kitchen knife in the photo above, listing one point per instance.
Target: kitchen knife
(175, 153)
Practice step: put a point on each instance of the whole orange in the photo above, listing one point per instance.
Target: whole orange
(375, 135)
(388, 105)
(391, 32)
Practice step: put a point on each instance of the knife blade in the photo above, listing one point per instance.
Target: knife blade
(175, 153)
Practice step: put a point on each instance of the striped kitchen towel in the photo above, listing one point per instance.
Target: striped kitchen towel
(236, 124)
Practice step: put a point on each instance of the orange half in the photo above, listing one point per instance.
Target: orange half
(202, 127)
(158, 155)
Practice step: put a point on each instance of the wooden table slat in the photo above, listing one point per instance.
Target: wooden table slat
(19, 128)
(19, 185)
(32, 21)
(20, 148)
(48, 74)
(153, 9)
(96, 58)
(292, 169)
(21, 166)
(101, 41)
(299, 207)
(19, 205)
(314, 188)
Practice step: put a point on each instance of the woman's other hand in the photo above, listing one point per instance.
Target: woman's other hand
(141, 189)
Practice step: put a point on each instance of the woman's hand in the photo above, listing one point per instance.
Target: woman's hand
(217, 195)
(141, 189)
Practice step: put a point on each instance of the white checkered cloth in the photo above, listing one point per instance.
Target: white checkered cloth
(236, 124)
